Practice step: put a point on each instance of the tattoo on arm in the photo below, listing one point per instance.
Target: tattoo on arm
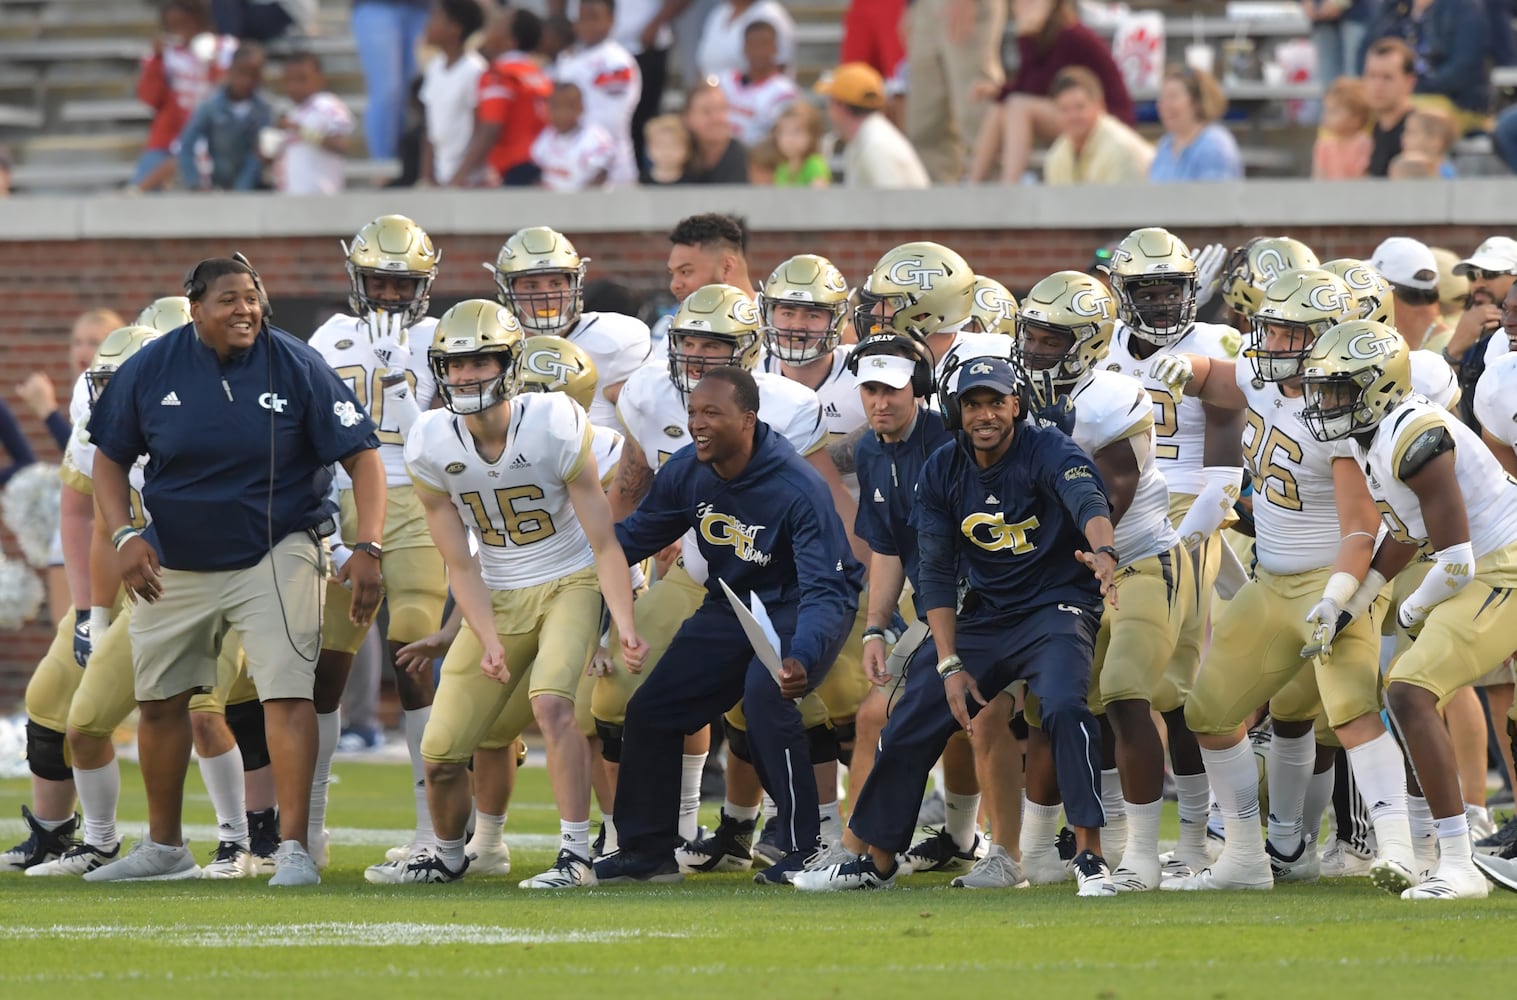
(842, 451)
(633, 479)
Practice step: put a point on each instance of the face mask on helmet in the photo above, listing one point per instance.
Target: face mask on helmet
(874, 312)
(545, 302)
(1335, 406)
(388, 303)
(1044, 348)
(97, 380)
(1160, 309)
(797, 332)
(1279, 348)
(691, 355)
(470, 394)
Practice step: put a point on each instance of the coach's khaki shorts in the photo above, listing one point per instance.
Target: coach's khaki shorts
(177, 640)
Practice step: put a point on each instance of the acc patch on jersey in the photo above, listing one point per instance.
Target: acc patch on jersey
(344, 344)
(674, 431)
(454, 468)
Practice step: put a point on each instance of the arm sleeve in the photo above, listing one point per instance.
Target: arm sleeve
(658, 521)
(15, 444)
(334, 422)
(1070, 475)
(818, 548)
(59, 427)
(936, 542)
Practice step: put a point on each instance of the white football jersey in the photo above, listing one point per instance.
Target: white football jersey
(79, 403)
(611, 85)
(518, 505)
(1435, 379)
(619, 345)
(1112, 408)
(606, 445)
(1496, 400)
(753, 108)
(842, 410)
(78, 468)
(1490, 495)
(571, 161)
(344, 342)
(1179, 429)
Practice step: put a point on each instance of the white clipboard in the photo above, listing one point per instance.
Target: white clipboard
(759, 630)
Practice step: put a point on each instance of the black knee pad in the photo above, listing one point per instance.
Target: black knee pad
(45, 753)
(245, 720)
(824, 743)
(845, 733)
(1019, 727)
(737, 742)
(610, 741)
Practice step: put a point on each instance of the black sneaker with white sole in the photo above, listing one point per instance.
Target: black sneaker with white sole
(939, 852)
(41, 844)
(783, 871)
(624, 866)
(728, 849)
(846, 876)
(1503, 839)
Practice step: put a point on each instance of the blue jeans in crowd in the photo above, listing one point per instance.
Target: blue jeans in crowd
(386, 32)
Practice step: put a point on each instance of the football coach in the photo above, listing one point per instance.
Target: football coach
(240, 422)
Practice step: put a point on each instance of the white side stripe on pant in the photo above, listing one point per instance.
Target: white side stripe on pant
(1095, 782)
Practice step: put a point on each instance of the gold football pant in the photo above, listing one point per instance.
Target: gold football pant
(657, 615)
(1467, 633)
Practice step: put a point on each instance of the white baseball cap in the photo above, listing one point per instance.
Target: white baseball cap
(1407, 263)
(1497, 253)
(890, 369)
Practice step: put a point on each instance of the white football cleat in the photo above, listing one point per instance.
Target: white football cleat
(1093, 876)
(231, 860)
(1226, 875)
(568, 872)
(1341, 861)
(1451, 882)
(1044, 866)
(858, 873)
(81, 858)
(1302, 866)
(1136, 876)
(489, 858)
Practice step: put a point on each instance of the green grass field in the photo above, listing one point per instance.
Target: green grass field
(716, 936)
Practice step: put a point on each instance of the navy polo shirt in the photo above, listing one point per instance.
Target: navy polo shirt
(207, 428)
(888, 474)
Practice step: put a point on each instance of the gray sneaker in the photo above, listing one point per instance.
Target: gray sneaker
(996, 870)
(148, 862)
(293, 866)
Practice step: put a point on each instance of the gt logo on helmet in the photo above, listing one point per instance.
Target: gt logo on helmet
(1271, 263)
(987, 299)
(834, 281)
(1088, 302)
(745, 312)
(551, 365)
(1327, 298)
(912, 272)
(1368, 346)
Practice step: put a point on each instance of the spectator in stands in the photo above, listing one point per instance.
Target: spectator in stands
(38, 392)
(1492, 270)
(1452, 43)
(186, 63)
(1343, 147)
(1410, 166)
(450, 90)
(798, 140)
(645, 29)
(717, 157)
(1092, 147)
(758, 92)
(1338, 31)
(669, 149)
(722, 39)
(512, 103)
(558, 37)
(572, 154)
(387, 33)
(1194, 146)
(608, 78)
(1412, 271)
(263, 20)
(953, 53)
(1431, 132)
(318, 130)
(877, 155)
(1390, 77)
(763, 161)
(1049, 38)
(872, 34)
(1505, 137)
(218, 149)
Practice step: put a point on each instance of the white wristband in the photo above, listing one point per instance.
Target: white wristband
(100, 623)
(1340, 588)
(1374, 583)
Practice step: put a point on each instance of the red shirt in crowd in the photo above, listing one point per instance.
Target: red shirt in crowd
(1076, 45)
(172, 82)
(513, 93)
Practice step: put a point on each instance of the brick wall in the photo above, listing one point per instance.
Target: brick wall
(44, 284)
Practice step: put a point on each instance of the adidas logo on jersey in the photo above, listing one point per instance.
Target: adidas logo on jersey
(992, 498)
(520, 462)
(833, 411)
(172, 399)
(878, 496)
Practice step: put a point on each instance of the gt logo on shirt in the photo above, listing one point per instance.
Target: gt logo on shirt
(347, 414)
(911, 272)
(724, 529)
(273, 401)
(991, 532)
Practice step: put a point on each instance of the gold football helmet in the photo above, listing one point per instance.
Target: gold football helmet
(394, 247)
(993, 308)
(916, 289)
(473, 328)
(544, 254)
(820, 294)
(715, 314)
(1355, 375)
(1154, 278)
(1257, 263)
(1297, 308)
(553, 364)
(165, 314)
(113, 352)
(1369, 286)
(1074, 311)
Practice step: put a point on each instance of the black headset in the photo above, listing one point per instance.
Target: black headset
(897, 345)
(195, 286)
(948, 399)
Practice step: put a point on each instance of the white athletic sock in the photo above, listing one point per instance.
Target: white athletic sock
(328, 730)
(1476, 814)
(831, 815)
(1040, 827)
(1111, 794)
(52, 824)
(1420, 817)
(416, 724)
(737, 812)
(1451, 826)
(575, 838)
(488, 829)
(1380, 772)
(1194, 794)
(963, 818)
(1289, 766)
(99, 791)
(1234, 781)
(1319, 795)
(450, 852)
(690, 795)
(222, 775)
(1142, 830)
(610, 846)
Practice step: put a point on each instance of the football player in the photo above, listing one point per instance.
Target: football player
(1434, 484)
(519, 472)
(1376, 301)
(381, 350)
(994, 309)
(1255, 265)
(1063, 332)
(540, 277)
(1155, 279)
(1315, 530)
(165, 314)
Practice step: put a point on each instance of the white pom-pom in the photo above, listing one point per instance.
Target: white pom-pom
(20, 595)
(29, 506)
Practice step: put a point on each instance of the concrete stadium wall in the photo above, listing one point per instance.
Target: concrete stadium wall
(61, 256)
